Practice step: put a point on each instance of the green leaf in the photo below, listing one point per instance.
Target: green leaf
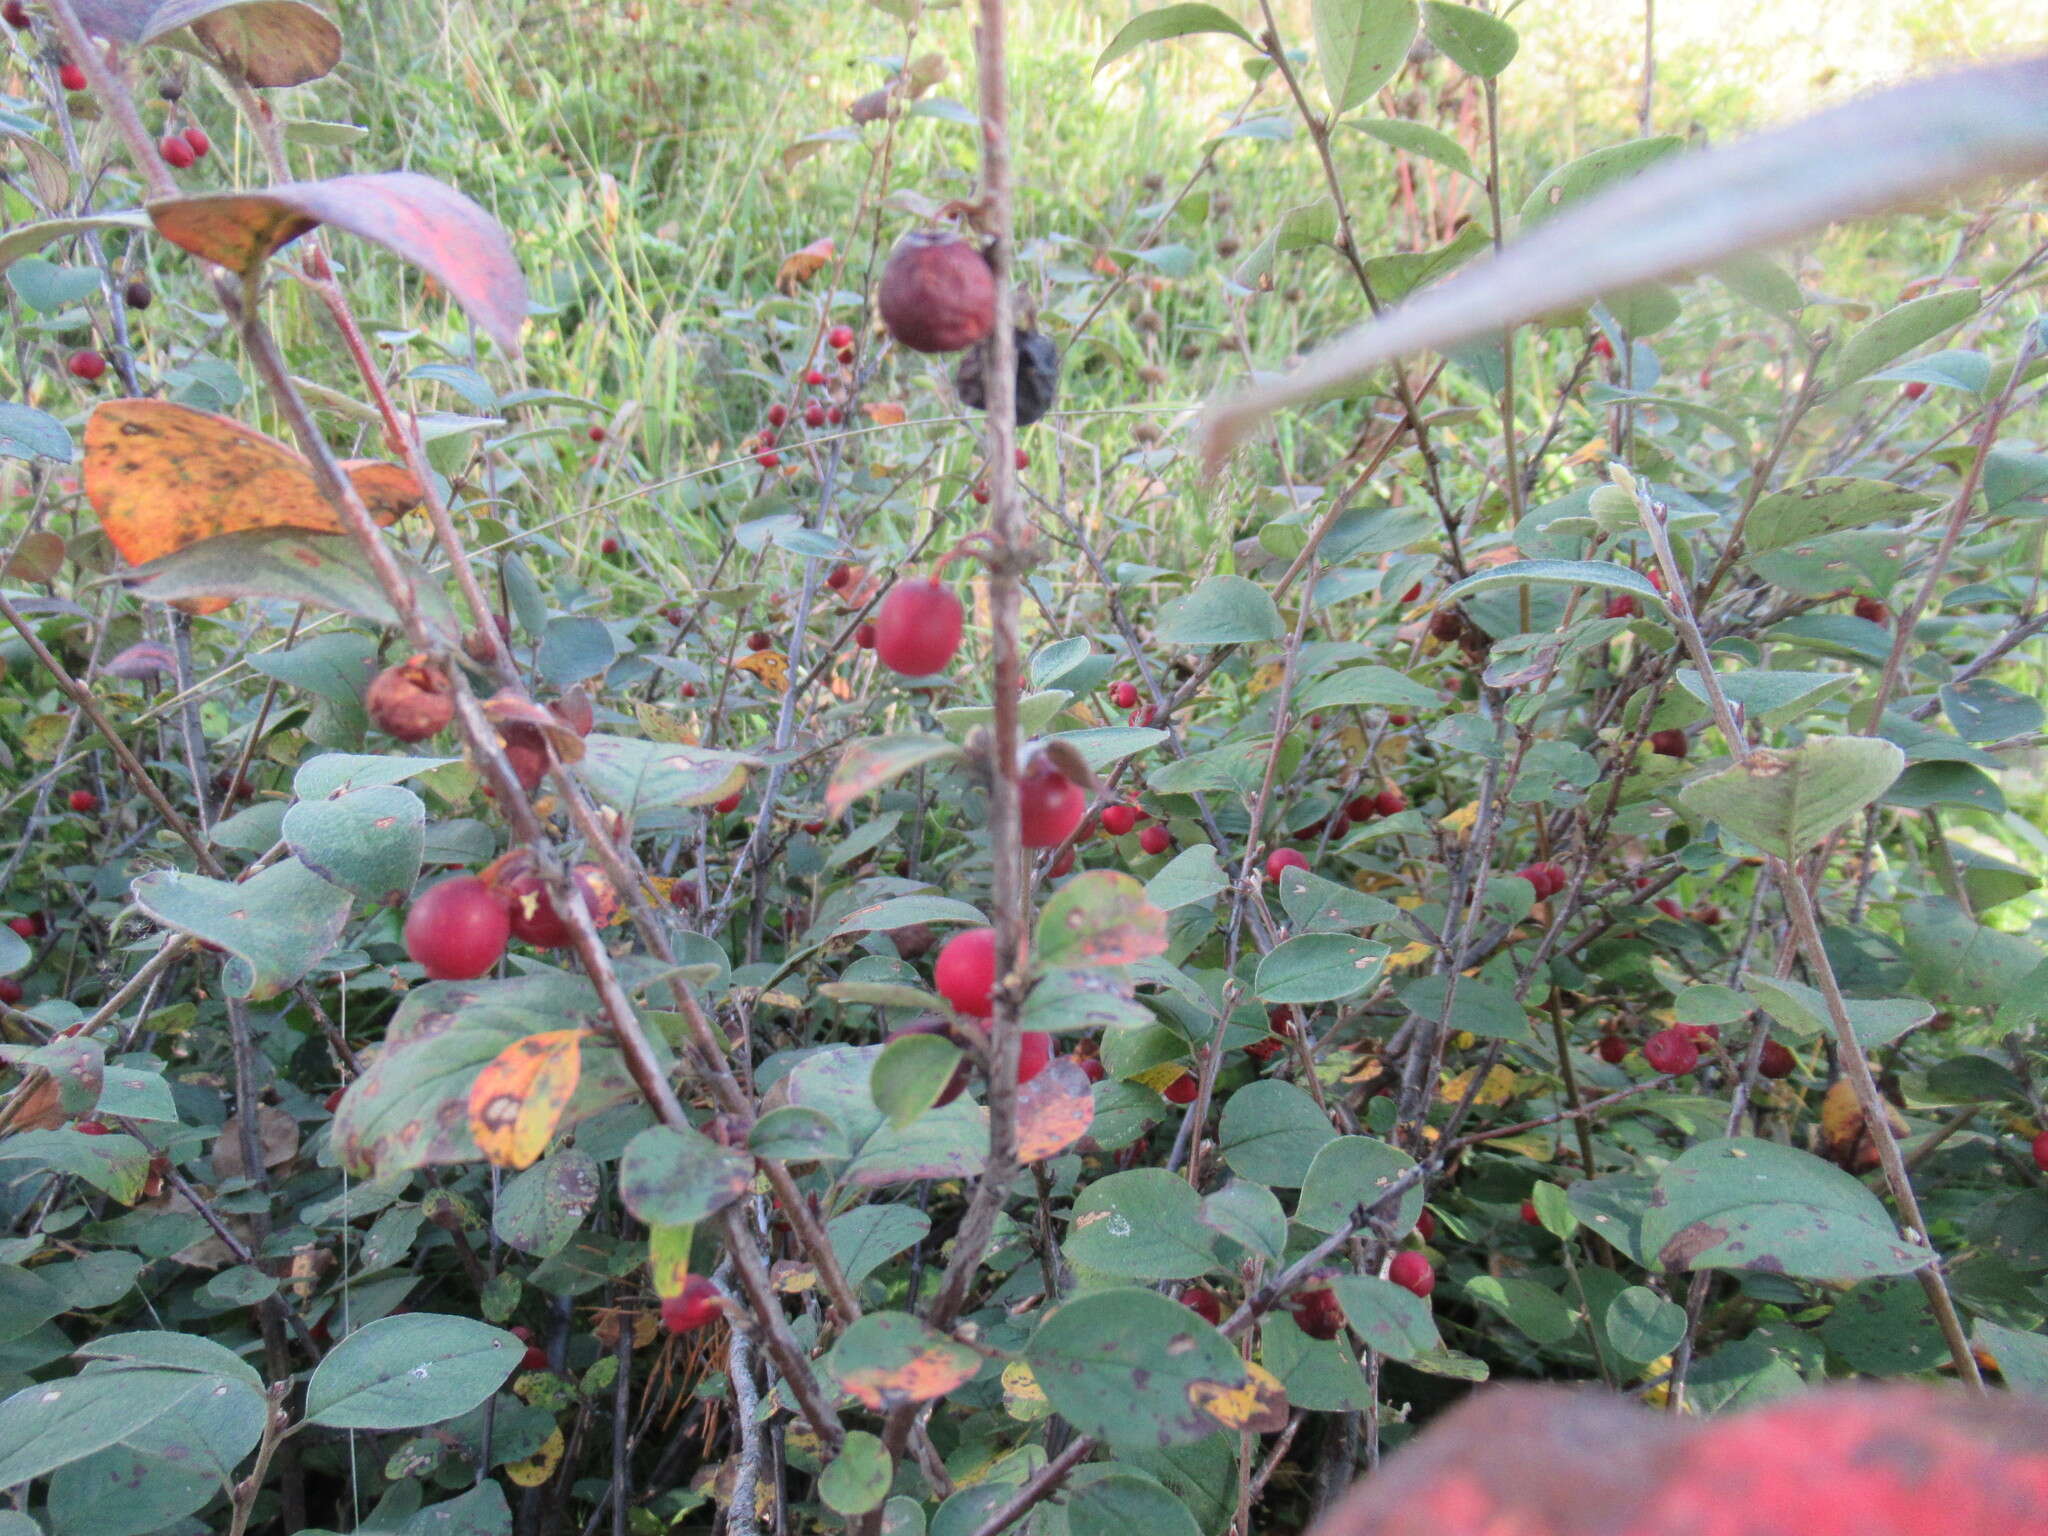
(1361, 45)
(1167, 22)
(1370, 685)
(1144, 1224)
(1772, 698)
(411, 1369)
(1827, 505)
(1487, 1011)
(905, 911)
(1191, 876)
(1642, 1326)
(1574, 573)
(1982, 710)
(1316, 905)
(1318, 968)
(54, 1422)
(27, 433)
(27, 1301)
(1592, 173)
(1270, 1131)
(635, 777)
(276, 925)
(910, 1074)
(1099, 918)
(1419, 139)
(168, 1469)
(117, 1164)
(1121, 1365)
(945, 1143)
(1532, 1308)
(857, 1479)
(1396, 1322)
(1249, 1215)
(1785, 802)
(1958, 964)
(573, 648)
(1477, 43)
(333, 774)
(889, 1359)
(2022, 1357)
(798, 1135)
(868, 1236)
(542, 1208)
(673, 1176)
(369, 841)
(1804, 1011)
(1739, 1203)
(1353, 1171)
(872, 762)
(1898, 331)
(1221, 610)
(325, 571)
(1120, 1502)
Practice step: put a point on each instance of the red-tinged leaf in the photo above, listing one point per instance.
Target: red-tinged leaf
(1054, 1110)
(519, 1096)
(434, 227)
(1889, 148)
(267, 42)
(868, 765)
(1099, 918)
(1872, 1461)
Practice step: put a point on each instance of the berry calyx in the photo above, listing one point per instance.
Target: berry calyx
(1446, 624)
(1411, 1271)
(1284, 859)
(1775, 1061)
(965, 973)
(87, 365)
(83, 801)
(137, 295)
(1155, 839)
(937, 294)
(196, 139)
(918, 627)
(1669, 743)
(412, 700)
(1672, 1052)
(457, 930)
(1203, 1302)
(176, 152)
(1049, 804)
(531, 909)
(698, 1303)
(1119, 819)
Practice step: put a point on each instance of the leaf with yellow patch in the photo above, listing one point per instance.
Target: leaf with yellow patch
(1462, 818)
(1259, 1405)
(890, 1359)
(1409, 955)
(1023, 1398)
(886, 413)
(540, 1466)
(1161, 1077)
(668, 1256)
(519, 1096)
(1498, 1087)
(771, 667)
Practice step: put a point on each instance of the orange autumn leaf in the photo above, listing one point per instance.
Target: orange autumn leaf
(519, 1097)
(1054, 1110)
(801, 266)
(886, 413)
(771, 667)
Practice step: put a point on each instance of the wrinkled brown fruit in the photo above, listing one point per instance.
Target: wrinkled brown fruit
(937, 293)
(411, 701)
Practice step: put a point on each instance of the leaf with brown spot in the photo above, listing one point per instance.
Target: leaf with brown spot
(1258, 1404)
(267, 42)
(163, 477)
(801, 266)
(518, 1098)
(1054, 1110)
(277, 1135)
(889, 1359)
(433, 227)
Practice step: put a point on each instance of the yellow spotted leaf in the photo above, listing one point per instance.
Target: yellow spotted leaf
(668, 1258)
(1266, 678)
(1260, 1405)
(540, 1466)
(1161, 1077)
(1498, 1088)
(518, 1098)
(1409, 954)
(1462, 818)
(658, 724)
(771, 667)
(788, 1277)
(1023, 1398)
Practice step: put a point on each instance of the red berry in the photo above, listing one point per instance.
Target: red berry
(683, 893)
(1656, 575)
(411, 700)
(759, 641)
(1622, 607)
(1049, 804)
(1316, 1310)
(535, 1359)
(2041, 1151)
(688, 690)
(814, 415)
(87, 365)
(1775, 1061)
(458, 929)
(1124, 695)
(201, 145)
(15, 14)
(815, 377)
(84, 801)
(728, 805)
(778, 413)
(1023, 459)
(846, 355)
(91, 1128)
(608, 546)
(1091, 1067)
(10, 991)
(917, 628)
(1397, 721)
(1411, 1271)
(1119, 819)
(1034, 1054)
(768, 460)
(1870, 608)
(1203, 1302)
(1612, 1049)
(531, 909)
(1602, 347)
(1363, 808)
(1063, 865)
(176, 152)
(937, 294)
(71, 77)
(1669, 743)
(1412, 593)
(839, 338)
(1546, 879)
(965, 972)
(1670, 908)
(30, 927)
(1706, 912)
(864, 637)
(1155, 839)
(696, 1305)
(834, 415)
(1182, 1090)
(1284, 858)
(839, 577)
(597, 434)
(1425, 1226)
(980, 492)
(1916, 389)
(1391, 802)
(1529, 1216)
(1672, 1052)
